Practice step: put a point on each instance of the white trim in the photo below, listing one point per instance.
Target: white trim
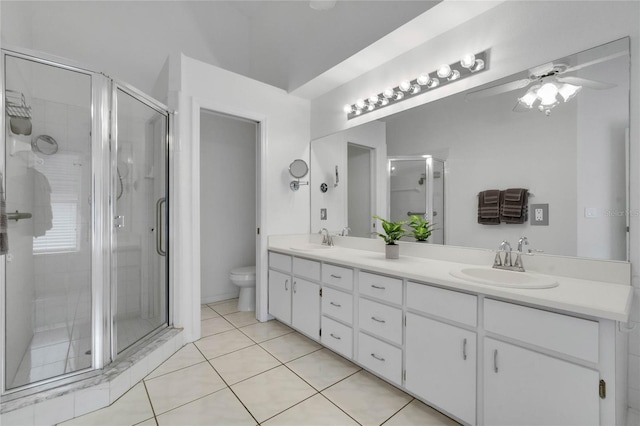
(197, 105)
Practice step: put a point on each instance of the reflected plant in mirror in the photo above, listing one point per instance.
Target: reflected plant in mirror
(569, 148)
(421, 228)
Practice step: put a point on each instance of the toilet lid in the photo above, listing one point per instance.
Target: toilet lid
(245, 270)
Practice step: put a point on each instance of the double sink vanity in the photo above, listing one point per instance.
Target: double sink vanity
(484, 346)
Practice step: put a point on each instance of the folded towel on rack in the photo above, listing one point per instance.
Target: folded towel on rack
(515, 205)
(4, 234)
(489, 207)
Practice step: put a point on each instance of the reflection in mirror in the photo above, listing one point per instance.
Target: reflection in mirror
(574, 159)
(416, 188)
(298, 168)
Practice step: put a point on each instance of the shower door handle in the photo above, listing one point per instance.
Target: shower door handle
(159, 227)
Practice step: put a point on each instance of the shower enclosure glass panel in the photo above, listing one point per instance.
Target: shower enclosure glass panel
(48, 189)
(141, 293)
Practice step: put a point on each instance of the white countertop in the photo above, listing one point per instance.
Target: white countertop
(591, 298)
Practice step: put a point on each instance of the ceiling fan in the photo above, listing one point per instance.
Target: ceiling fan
(548, 85)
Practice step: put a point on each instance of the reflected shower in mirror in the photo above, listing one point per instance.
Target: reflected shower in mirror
(570, 150)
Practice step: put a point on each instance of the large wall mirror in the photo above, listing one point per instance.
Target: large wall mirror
(572, 155)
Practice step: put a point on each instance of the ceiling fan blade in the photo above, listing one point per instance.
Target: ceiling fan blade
(596, 61)
(592, 84)
(496, 90)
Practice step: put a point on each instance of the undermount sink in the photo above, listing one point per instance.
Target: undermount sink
(502, 278)
(310, 247)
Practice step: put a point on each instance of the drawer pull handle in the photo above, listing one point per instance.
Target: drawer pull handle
(377, 357)
(286, 285)
(338, 277)
(335, 337)
(378, 320)
(378, 287)
(495, 360)
(464, 349)
(335, 304)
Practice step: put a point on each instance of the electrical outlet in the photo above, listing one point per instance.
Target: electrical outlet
(323, 214)
(591, 212)
(540, 216)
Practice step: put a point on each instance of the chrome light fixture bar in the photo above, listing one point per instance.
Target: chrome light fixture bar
(445, 74)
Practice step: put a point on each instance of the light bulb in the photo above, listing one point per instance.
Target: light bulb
(399, 95)
(360, 103)
(405, 85)
(358, 111)
(568, 91)
(444, 71)
(384, 101)
(373, 99)
(434, 82)
(478, 66)
(468, 60)
(547, 94)
(371, 107)
(388, 93)
(423, 79)
(348, 109)
(455, 74)
(415, 89)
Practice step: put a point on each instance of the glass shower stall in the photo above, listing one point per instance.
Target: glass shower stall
(83, 220)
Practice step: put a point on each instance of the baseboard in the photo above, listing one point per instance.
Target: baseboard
(219, 297)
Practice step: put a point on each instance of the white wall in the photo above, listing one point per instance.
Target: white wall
(227, 202)
(330, 151)
(284, 136)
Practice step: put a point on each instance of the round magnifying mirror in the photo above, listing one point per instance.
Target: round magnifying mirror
(298, 168)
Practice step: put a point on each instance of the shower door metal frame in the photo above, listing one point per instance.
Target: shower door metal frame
(113, 142)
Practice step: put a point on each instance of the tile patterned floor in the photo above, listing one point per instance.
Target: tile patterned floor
(242, 372)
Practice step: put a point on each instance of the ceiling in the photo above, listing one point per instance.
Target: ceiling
(282, 43)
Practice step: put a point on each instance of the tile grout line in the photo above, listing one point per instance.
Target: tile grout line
(402, 408)
(153, 410)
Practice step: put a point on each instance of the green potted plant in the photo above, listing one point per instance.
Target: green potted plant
(421, 228)
(393, 231)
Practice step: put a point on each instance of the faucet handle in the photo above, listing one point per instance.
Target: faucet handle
(497, 261)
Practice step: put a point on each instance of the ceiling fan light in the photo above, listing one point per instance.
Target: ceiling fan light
(568, 91)
(547, 94)
(529, 98)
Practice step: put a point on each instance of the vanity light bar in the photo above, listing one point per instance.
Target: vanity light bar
(445, 74)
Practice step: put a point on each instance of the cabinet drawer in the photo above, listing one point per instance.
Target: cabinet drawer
(280, 261)
(337, 336)
(380, 357)
(448, 304)
(572, 336)
(383, 288)
(381, 320)
(337, 304)
(338, 276)
(306, 268)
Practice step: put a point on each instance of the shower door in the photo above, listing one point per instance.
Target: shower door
(140, 218)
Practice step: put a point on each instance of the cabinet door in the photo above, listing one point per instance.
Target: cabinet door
(525, 387)
(280, 296)
(441, 366)
(306, 307)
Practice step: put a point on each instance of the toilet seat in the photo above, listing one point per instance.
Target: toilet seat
(244, 273)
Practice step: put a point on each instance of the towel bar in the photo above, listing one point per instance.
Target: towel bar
(17, 216)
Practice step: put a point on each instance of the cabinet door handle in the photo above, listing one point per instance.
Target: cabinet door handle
(338, 277)
(335, 337)
(335, 304)
(495, 360)
(378, 287)
(377, 357)
(464, 349)
(378, 320)
(286, 285)
(294, 286)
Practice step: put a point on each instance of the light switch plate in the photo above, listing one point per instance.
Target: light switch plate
(323, 214)
(539, 214)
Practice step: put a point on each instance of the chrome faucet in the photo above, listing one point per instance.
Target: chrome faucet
(326, 237)
(522, 241)
(345, 231)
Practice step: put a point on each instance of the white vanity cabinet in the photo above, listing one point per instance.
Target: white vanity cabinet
(337, 309)
(525, 385)
(294, 297)
(440, 358)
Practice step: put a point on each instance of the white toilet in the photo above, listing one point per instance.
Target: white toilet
(245, 278)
